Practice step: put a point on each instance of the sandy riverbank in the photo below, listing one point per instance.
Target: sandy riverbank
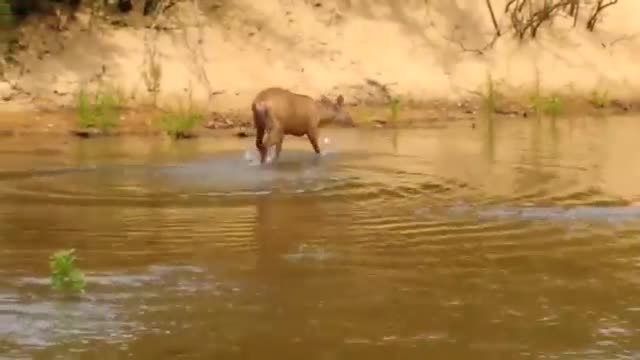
(433, 57)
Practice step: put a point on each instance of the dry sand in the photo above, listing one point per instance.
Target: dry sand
(221, 54)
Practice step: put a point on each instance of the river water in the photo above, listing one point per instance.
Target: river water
(511, 239)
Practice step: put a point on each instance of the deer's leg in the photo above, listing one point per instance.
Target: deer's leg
(261, 122)
(275, 138)
(279, 147)
(278, 138)
(262, 149)
(313, 139)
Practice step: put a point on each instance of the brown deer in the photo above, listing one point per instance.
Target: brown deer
(278, 112)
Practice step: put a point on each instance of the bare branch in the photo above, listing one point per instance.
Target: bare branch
(591, 23)
(479, 51)
(620, 39)
(528, 22)
(493, 17)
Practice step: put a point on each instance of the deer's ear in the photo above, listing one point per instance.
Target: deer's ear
(340, 100)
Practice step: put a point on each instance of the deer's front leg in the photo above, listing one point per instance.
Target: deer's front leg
(274, 137)
(313, 139)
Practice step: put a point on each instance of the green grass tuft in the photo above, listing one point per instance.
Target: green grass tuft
(549, 105)
(101, 112)
(180, 124)
(490, 97)
(600, 99)
(395, 108)
(64, 274)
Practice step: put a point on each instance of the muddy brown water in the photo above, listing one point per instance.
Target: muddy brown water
(516, 239)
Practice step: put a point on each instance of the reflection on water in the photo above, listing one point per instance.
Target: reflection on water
(516, 239)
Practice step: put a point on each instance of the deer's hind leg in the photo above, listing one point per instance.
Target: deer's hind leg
(260, 145)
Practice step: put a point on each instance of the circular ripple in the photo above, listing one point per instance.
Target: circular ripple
(203, 182)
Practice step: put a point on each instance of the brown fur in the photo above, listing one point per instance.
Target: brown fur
(278, 112)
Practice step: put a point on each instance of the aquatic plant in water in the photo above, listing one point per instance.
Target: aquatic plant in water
(64, 274)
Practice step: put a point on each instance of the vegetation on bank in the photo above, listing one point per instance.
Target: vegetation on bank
(600, 99)
(395, 109)
(494, 98)
(21, 9)
(526, 17)
(101, 112)
(180, 123)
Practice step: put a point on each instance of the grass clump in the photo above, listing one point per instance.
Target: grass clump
(395, 108)
(490, 97)
(100, 112)
(179, 124)
(64, 274)
(600, 99)
(552, 106)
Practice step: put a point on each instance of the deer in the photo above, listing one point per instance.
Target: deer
(278, 112)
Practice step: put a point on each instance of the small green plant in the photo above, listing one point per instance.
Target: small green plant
(180, 124)
(152, 69)
(64, 274)
(490, 97)
(554, 106)
(600, 99)
(395, 108)
(548, 105)
(101, 112)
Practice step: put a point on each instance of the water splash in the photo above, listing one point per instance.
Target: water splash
(308, 252)
(252, 157)
(326, 147)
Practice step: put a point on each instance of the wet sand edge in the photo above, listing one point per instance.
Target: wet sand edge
(143, 120)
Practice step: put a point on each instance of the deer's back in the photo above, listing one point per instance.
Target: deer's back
(294, 112)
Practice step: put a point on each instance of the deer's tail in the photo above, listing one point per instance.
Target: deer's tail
(260, 113)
